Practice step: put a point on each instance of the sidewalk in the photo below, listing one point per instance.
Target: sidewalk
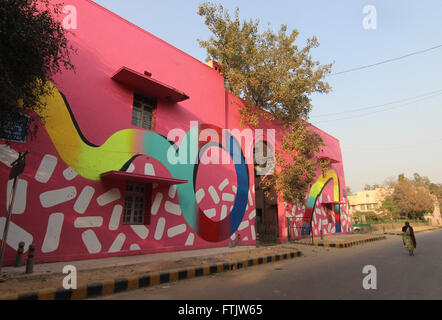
(110, 275)
(398, 232)
(341, 241)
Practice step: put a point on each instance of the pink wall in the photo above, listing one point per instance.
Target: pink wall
(87, 221)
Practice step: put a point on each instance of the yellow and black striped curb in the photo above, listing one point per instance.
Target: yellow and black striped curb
(124, 284)
(345, 244)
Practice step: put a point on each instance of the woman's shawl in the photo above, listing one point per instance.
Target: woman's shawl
(412, 236)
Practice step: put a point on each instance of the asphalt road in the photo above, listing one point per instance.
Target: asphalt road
(333, 274)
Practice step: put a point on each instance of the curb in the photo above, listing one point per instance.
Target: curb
(345, 244)
(108, 287)
(421, 231)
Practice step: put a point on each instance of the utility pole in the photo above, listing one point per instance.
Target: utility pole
(18, 166)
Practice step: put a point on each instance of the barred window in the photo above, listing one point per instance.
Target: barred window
(134, 204)
(143, 111)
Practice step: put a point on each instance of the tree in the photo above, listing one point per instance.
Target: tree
(275, 79)
(33, 47)
(390, 209)
(435, 189)
(412, 198)
(349, 191)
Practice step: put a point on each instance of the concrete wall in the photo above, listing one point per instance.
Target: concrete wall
(64, 207)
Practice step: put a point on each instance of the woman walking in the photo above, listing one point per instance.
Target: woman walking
(408, 238)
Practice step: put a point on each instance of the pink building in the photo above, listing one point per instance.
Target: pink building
(114, 169)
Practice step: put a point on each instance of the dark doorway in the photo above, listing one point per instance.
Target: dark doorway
(266, 206)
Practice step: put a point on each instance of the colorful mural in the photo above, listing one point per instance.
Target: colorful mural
(320, 214)
(90, 161)
(65, 208)
(315, 191)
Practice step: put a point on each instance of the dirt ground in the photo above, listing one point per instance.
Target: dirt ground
(27, 283)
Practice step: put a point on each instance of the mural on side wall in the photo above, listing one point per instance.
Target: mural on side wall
(321, 212)
(85, 217)
(316, 190)
(87, 160)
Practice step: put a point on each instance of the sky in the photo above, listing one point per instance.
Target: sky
(399, 129)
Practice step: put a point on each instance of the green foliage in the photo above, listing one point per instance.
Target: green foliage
(275, 79)
(412, 197)
(33, 47)
(389, 208)
(266, 69)
(434, 188)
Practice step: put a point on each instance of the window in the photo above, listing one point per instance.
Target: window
(135, 204)
(142, 112)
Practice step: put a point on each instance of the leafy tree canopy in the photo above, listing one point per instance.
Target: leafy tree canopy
(33, 47)
(275, 78)
(410, 198)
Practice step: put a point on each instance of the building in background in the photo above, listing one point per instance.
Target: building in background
(368, 200)
(113, 170)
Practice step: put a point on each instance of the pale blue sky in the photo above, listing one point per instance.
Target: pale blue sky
(405, 139)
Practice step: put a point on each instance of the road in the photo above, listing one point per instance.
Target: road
(332, 274)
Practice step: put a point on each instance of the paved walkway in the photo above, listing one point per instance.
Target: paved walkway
(95, 264)
(416, 230)
(341, 241)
